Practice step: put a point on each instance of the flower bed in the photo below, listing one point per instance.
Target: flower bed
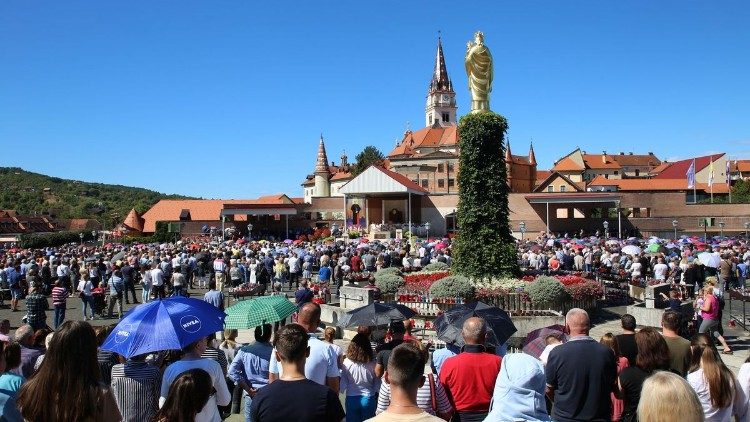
(420, 282)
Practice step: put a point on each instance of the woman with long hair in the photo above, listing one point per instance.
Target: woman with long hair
(68, 385)
(187, 395)
(659, 396)
(610, 341)
(717, 389)
(653, 355)
(359, 381)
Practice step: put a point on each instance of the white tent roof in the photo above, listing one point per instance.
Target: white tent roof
(377, 180)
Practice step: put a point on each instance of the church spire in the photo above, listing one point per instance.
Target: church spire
(440, 80)
(321, 166)
(508, 155)
(532, 156)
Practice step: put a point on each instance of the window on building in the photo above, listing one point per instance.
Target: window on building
(616, 172)
(636, 212)
(646, 212)
(451, 183)
(578, 213)
(430, 118)
(424, 183)
(550, 188)
(637, 172)
(563, 188)
(562, 213)
(441, 183)
(446, 117)
(415, 181)
(597, 213)
(440, 168)
(450, 167)
(606, 176)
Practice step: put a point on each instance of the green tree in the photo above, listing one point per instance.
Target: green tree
(484, 246)
(741, 191)
(369, 156)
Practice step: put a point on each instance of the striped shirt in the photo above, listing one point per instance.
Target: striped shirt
(59, 294)
(106, 360)
(136, 386)
(218, 356)
(219, 266)
(424, 399)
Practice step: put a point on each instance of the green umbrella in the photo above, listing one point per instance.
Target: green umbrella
(256, 312)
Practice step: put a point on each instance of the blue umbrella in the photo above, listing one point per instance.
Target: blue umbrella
(168, 324)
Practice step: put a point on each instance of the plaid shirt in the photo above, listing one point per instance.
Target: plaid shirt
(36, 304)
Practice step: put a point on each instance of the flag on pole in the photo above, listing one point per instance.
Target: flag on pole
(691, 175)
(711, 173)
(729, 174)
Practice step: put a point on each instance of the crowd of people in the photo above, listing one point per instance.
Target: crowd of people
(289, 373)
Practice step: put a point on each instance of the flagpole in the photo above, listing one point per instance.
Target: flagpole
(695, 189)
(729, 178)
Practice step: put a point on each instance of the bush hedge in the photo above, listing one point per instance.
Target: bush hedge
(482, 248)
(453, 286)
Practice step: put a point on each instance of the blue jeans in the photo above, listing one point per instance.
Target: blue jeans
(177, 291)
(146, 294)
(59, 315)
(248, 404)
(360, 408)
(87, 302)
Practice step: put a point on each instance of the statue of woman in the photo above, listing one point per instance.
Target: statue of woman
(478, 62)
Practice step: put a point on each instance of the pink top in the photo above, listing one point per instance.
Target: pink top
(617, 404)
(713, 314)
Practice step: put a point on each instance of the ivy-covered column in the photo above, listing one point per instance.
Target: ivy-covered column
(484, 246)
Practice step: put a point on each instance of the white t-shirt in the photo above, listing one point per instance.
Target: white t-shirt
(209, 413)
(545, 353)
(321, 364)
(660, 271)
(157, 276)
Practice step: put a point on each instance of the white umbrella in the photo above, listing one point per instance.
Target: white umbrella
(631, 250)
(710, 259)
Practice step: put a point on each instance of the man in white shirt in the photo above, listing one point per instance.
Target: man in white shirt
(660, 270)
(294, 269)
(321, 365)
(157, 280)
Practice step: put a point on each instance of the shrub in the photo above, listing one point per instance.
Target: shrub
(388, 271)
(389, 283)
(453, 286)
(546, 290)
(587, 290)
(436, 266)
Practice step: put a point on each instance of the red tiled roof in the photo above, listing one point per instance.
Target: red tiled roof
(660, 168)
(636, 160)
(541, 175)
(600, 161)
(205, 209)
(741, 165)
(134, 221)
(402, 179)
(567, 164)
(579, 186)
(678, 169)
(429, 137)
(341, 176)
(646, 185)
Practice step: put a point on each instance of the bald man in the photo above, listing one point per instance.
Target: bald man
(581, 374)
(469, 377)
(321, 365)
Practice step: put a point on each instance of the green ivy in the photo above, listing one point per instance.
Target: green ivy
(484, 247)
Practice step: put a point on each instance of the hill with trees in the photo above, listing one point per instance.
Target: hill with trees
(33, 193)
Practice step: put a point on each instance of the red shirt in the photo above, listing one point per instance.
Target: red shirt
(469, 378)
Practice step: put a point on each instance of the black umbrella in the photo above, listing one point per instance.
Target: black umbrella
(499, 325)
(375, 314)
(200, 256)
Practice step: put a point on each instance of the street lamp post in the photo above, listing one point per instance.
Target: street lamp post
(81, 236)
(674, 225)
(606, 229)
(522, 228)
(250, 230)
(721, 226)
(427, 226)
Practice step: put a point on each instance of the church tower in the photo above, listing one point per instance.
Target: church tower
(322, 174)
(441, 99)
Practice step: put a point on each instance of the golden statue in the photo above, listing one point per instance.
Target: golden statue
(478, 62)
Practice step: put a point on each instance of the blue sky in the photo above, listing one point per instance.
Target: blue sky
(227, 99)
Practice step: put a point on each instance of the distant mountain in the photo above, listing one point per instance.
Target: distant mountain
(30, 193)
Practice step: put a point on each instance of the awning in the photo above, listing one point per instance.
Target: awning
(378, 181)
(573, 198)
